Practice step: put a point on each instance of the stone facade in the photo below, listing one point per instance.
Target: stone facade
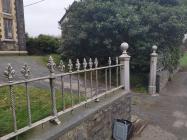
(16, 16)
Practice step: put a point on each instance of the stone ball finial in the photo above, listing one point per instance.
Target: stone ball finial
(154, 48)
(124, 47)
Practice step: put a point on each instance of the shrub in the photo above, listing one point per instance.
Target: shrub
(43, 44)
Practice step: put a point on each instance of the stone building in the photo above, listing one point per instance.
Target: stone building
(12, 26)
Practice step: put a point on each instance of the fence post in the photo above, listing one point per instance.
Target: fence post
(153, 70)
(51, 66)
(125, 69)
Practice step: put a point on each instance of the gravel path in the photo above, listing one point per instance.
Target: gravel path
(167, 113)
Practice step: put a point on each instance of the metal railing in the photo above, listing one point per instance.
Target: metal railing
(160, 63)
(89, 88)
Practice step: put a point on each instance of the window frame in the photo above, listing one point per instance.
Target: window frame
(7, 8)
(8, 28)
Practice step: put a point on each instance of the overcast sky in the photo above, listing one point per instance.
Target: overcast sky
(43, 18)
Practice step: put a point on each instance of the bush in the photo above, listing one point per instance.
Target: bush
(42, 45)
(96, 28)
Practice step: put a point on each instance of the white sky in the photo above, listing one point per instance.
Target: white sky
(43, 18)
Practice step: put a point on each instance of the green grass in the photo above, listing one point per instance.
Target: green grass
(183, 61)
(40, 106)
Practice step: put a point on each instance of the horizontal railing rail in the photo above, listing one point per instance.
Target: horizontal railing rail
(92, 82)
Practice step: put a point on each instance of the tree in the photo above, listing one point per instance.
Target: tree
(96, 28)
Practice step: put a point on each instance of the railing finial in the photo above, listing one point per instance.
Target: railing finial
(26, 71)
(85, 64)
(78, 65)
(109, 61)
(124, 47)
(90, 63)
(9, 73)
(96, 62)
(61, 66)
(51, 65)
(70, 65)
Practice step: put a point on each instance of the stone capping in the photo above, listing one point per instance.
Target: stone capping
(70, 120)
(5, 53)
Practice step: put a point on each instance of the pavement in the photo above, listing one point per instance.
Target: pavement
(166, 114)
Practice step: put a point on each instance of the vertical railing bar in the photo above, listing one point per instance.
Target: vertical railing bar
(91, 83)
(78, 65)
(110, 78)
(91, 78)
(78, 79)
(117, 72)
(51, 66)
(10, 74)
(85, 64)
(26, 72)
(28, 104)
(71, 91)
(96, 77)
(62, 88)
(13, 106)
(70, 65)
(117, 75)
(106, 80)
(62, 69)
(53, 98)
(85, 85)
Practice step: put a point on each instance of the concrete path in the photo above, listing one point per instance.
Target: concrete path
(167, 113)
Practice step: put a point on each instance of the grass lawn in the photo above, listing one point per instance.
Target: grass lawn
(40, 106)
(183, 61)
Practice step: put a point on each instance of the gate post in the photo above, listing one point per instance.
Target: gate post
(153, 70)
(125, 68)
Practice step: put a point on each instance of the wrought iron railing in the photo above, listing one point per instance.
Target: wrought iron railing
(160, 63)
(90, 87)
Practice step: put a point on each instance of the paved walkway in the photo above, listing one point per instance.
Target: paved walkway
(167, 113)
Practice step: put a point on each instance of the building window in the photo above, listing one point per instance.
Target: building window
(8, 30)
(6, 6)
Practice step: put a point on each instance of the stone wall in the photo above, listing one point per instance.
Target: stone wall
(99, 125)
(91, 123)
(163, 77)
